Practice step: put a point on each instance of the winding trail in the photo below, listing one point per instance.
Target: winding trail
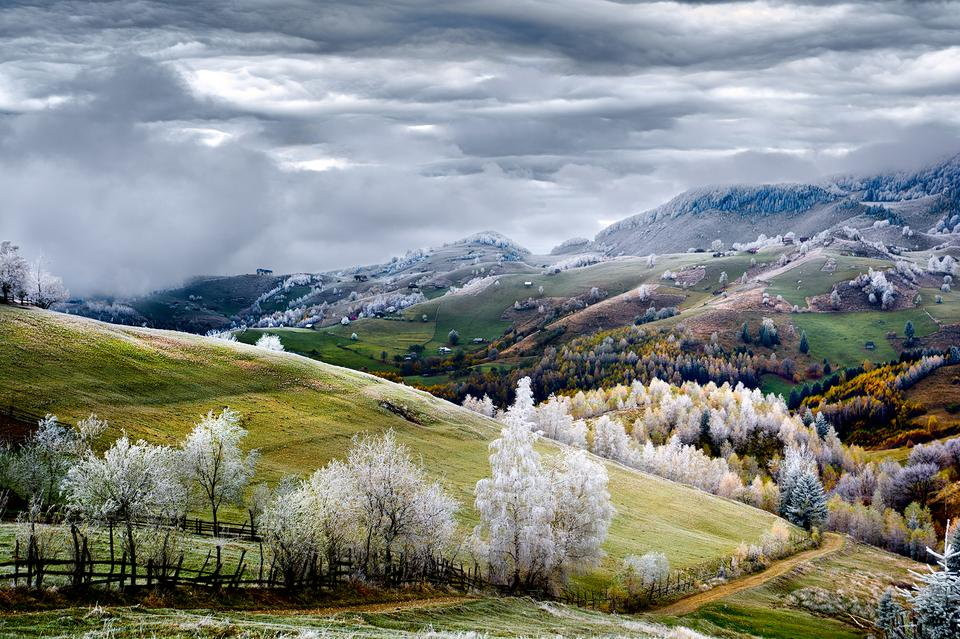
(832, 543)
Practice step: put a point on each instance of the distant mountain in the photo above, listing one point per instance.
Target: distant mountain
(920, 199)
(301, 299)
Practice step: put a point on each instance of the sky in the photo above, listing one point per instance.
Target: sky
(143, 142)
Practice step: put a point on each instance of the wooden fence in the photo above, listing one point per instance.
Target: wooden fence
(81, 570)
(31, 567)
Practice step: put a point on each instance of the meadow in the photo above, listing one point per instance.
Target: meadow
(302, 413)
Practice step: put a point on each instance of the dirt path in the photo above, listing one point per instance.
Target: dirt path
(388, 606)
(831, 544)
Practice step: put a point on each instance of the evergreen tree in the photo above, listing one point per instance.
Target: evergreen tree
(822, 426)
(909, 331)
(804, 344)
(889, 615)
(705, 427)
(745, 333)
(794, 399)
(953, 560)
(807, 506)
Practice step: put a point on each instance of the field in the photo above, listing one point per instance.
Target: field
(841, 338)
(824, 598)
(800, 604)
(301, 413)
(440, 617)
(808, 279)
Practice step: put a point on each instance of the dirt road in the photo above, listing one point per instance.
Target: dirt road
(831, 544)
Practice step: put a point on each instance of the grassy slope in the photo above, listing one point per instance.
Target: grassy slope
(301, 413)
(449, 618)
(771, 611)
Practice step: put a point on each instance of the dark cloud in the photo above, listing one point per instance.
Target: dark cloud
(145, 141)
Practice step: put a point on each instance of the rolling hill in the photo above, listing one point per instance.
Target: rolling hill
(300, 412)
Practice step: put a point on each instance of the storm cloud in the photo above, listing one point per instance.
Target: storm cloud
(142, 142)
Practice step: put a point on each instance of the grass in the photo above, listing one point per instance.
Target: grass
(787, 608)
(841, 338)
(302, 413)
(775, 384)
(464, 618)
(815, 281)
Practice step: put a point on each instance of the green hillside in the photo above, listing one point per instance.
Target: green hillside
(300, 412)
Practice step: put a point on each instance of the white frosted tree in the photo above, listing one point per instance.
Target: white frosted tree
(582, 513)
(483, 406)
(13, 271)
(555, 422)
(287, 528)
(38, 467)
(523, 409)
(934, 602)
(43, 288)
(213, 463)
(333, 503)
(516, 508)
(129, 483)
(610, 440)
(269, 342)
(399, 509)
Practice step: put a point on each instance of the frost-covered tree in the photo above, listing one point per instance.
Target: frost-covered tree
(797, 463)
(724, 279)
(453, 337)
(638, 573)
(807, 504)
(257, 504)
(483, 406)
(37, 468)
(214, 466)
(43, 288)
(516, 507)
(610, 439)
(333, 502)
(768, 335)
(835, 299)
(270, 342)
(224, 336)
(523, 409)
(582, 513)
(651, 260)
(555, 422)
(129, 483)
(287, 528)
(13, 271)
(399, 508)
(934, 611)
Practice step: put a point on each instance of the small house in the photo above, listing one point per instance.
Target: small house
(528, 284)
(444, 350)
(359, 277)
(264, 271)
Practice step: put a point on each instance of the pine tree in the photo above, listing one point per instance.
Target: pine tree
(804, 344)
(936, 604)
(822, 425)
(807, 505)
(889, 615)
(745, 333)
(909, 331)
(953, 560)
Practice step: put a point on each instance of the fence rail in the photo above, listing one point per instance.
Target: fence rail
(256, 568)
